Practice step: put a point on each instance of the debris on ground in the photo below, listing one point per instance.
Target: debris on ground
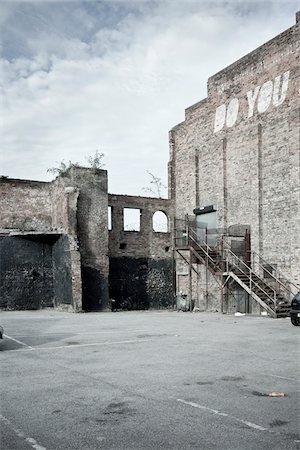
(277, 394)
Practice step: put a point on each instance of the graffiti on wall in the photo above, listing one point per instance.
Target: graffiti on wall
(258, 99)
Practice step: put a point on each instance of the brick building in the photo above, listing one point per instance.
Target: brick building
(234, 170)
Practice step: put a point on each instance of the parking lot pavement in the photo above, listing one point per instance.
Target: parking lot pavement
(148, 380)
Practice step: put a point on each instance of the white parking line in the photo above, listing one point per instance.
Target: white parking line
(82, 333)
(132, 341)
(21, 435)
(283, 378)
(214, 411)
(92, 344)
(17, 341)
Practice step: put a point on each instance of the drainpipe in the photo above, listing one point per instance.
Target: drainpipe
(190, 281)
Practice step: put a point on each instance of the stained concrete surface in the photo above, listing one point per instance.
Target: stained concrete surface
(148, 380)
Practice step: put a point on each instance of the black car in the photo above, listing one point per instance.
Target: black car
(295, 310)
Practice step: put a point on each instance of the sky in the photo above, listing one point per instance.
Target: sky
(115, 76)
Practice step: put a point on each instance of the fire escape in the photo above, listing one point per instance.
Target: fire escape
(255, 276)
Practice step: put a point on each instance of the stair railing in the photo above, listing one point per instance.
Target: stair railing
(234, 262)
(202, 246)
(229, 260)
(281, 282)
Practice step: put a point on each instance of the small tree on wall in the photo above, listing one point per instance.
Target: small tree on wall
(157, 186)
(94, 162)
(61, 168)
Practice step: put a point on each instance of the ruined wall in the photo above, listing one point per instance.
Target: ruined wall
(87, 219)
(26, 280)
(25, 205)
(140, 261)
(34, 215)
(239, 150)
(62, 272)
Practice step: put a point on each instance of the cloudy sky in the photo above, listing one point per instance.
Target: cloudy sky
(77, 76)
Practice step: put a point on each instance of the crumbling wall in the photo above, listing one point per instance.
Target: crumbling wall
(87, 220)
(141, 269)
(25, 205)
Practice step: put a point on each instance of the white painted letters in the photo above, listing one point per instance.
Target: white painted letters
(262, 96)
(265, 96)
(220, 117)
(232, 112)
(278, 99)
(251, 100)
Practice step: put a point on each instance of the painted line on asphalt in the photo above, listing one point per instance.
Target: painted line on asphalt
(214, 411)
(21, 435)
(283, 378)
(60, 347)
(17, 341)
(79, 334)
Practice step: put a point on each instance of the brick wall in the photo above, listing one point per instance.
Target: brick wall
(239, 150)
(140, 261)
(82, 192)
(25, 205)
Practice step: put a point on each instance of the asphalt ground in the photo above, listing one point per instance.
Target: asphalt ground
(148, 380)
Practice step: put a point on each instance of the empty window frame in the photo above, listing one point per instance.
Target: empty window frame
(160, 222)
(131, 219)
(109, 218)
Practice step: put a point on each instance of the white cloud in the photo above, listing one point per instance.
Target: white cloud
(119, 86)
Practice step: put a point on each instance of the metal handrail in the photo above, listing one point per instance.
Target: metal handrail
(252, 282)
(278, 279)
(205, 252)
(249, 276)
(226, 247)
(196, 239)
(228, 257)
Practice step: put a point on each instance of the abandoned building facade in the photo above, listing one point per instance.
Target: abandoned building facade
(234, 173)
(57, 249)
(231, 240)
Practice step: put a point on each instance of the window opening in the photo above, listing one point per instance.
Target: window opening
(160, 222)
(132, 219)
(109, 223)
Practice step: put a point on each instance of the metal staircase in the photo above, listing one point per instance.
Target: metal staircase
(260, 280)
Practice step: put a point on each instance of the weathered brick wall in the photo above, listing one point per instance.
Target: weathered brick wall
(143, 243)
(84, 192)
(25, 205)
(140, 261)
(239, 150)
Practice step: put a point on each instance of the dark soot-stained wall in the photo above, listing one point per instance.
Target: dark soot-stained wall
(62, 278)
(26, 273)
(140, 283)
(35, 272)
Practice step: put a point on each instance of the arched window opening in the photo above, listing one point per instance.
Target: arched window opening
(160, 222)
